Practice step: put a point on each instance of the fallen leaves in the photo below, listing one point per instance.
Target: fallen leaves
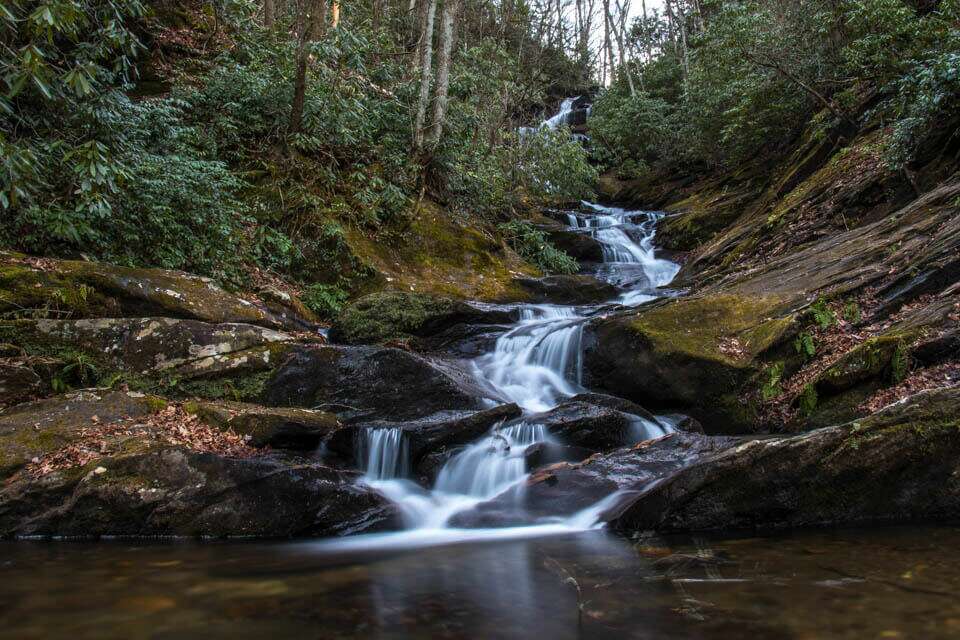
(171, 425)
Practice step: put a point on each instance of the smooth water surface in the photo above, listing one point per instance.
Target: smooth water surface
(853, 584)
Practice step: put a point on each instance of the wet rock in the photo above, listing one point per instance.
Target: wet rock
(543, 453)
(899, 464)
(565, 488)
(568, 289)
(690, 354)
(435, 435)
(586, 425)
(581, 246)
(23, 378)
(368, 383)
(96, 290)
(172, 491)
(872, 359)
(275, 427)
(393, 315)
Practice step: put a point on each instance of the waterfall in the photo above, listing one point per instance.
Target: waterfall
(383, 454)
(538, 362)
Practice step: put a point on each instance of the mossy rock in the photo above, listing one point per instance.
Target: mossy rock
(275, 427)
(897, 465)
(395, 315)
(36, 428)
(695, 355)
(74, 289)
(874, 359)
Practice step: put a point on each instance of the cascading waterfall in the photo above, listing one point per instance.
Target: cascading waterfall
(535, 364)
(538, 362)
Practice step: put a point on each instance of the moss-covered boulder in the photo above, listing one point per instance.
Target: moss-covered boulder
(695, 355)
(876, 359)
(275, 427)
(47, 288)
(900, 464)
(34, 429)
(396, 315)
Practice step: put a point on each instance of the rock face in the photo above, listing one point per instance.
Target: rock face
(586, 425)
(171, 491)
(275, 427)
(565, 488)
(96, 290)
(110, 474)
(393, 315)
(900, 464)
(690, 354)
(436, 435)
(368, 383)
(581, 246)
(563, 289)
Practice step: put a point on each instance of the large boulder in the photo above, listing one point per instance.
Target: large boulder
(582, 424)
(122, 463)
(899, 464)
(694, 355)
(566, 488)
(172, 491)
(77, 289)
(394, 315)
(275, 427)
(568, 289)
(581, 246)
(369, 383)
(438, 435)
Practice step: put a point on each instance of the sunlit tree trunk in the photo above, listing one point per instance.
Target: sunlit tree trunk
(428, 10)
(447, 23)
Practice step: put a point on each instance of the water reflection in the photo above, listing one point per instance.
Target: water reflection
(885, 583)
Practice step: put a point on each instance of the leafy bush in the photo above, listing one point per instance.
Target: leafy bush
(324, 300)
(532, 245)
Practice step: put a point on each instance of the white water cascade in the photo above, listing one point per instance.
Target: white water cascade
(536, 364)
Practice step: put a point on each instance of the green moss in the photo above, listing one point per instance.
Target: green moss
(698, 326)
(873, 359)
(389, 315)
(244, 387)
(808, 400)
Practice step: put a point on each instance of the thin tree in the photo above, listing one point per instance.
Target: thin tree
(447, 23)
(428, 11)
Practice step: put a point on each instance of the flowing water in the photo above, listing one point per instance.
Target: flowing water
(535, 364)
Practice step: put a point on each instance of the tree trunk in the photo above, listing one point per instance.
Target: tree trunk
(312, 26)
(269, 13)
(428, 10)
(450, 10)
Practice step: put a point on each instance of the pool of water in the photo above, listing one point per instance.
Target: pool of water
(880, 583)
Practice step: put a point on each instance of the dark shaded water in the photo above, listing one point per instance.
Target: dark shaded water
(883, 583)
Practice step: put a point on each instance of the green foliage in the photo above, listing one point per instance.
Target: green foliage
(80, 370)
(324, 300)
(772, 376)
(808, 400)
(532, 245)
(900, 364)
(852, 312)
(805, 346)
(822, 315)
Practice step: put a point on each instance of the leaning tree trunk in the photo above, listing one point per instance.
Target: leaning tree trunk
(450, 10)
(425, 60)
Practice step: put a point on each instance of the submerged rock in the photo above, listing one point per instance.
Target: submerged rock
(899, 464)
